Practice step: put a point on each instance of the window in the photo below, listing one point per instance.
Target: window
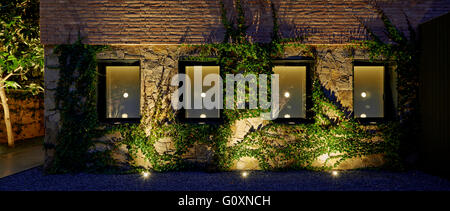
(368, 91)
(196, 72)
(293, 88)
(119, 93)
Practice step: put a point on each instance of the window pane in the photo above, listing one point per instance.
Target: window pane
(292, 91)
(122, 91)
(369, 91)
(201, 113)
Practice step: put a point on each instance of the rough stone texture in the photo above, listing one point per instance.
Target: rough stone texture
(121, 154)
(198, 21)
(334, 68)
(112, 142)
(362, 162)
(246, 163)
(140, 160)
(374, 160)
(165, 146)
(27, 118)
(242, 127)
(199, 155)
(158, 65)
(51, 115)
(160, 62)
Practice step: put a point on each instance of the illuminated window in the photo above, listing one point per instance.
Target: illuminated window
(198, 91)
(119, 93)
(368, 92)
(293, 91)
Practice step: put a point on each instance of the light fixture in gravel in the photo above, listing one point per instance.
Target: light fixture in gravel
(244, 174)
(145, 174)
(335, 173)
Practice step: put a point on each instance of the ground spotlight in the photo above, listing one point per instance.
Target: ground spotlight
(244, 174)
(335, 173)
(145, 174)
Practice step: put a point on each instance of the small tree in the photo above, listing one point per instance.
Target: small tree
(21, 55)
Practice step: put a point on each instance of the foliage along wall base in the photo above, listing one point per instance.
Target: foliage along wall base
(254, 144)
(160, 142)
(244, 141)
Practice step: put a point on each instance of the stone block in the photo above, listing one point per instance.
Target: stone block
(165, 146)
(120, 154)
(246, 163)
(140, 160)
(375, 160)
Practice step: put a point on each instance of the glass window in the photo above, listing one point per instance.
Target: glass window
(292, 86)
(368, 91)
(122, 92)
(202, 72)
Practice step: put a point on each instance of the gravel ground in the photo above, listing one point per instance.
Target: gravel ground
(356, 180)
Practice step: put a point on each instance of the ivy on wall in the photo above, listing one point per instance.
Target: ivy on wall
(339, 137)
(76, 102)
(402, 50)
(334, 138)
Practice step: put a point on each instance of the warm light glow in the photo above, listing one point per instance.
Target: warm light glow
(244, 174)
(287, 116)
(122, 91)
(323, 157)
(363, 94)
(369, 91)
(145, 174)
(202, 71)
(292, 89)
(335, 173)
(124, 115)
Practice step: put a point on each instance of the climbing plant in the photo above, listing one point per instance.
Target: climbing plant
(332, 136)
(75, 101)
(336, 138)
(21, 54)
(402, 51)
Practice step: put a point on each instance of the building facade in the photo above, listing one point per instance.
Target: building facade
(149, 42)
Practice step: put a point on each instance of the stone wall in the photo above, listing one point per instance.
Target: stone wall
(51, 115)
(160, 62)
(27, 118)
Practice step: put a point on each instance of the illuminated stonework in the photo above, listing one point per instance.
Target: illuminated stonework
(159, 64)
